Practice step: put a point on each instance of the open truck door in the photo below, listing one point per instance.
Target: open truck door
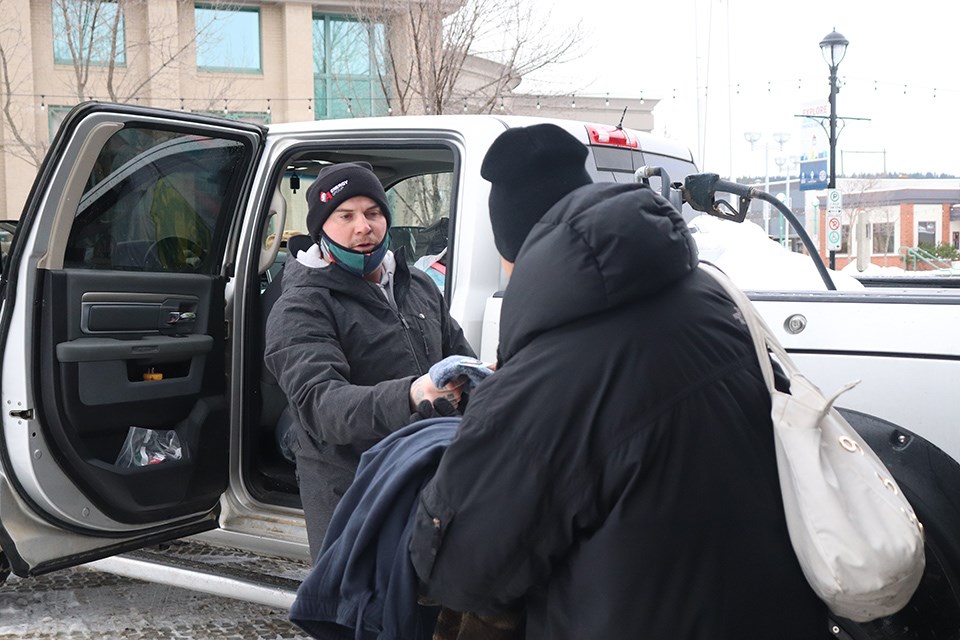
(112, 318)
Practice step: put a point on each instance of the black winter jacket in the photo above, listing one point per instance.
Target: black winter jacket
(345, 358)
(617, 475)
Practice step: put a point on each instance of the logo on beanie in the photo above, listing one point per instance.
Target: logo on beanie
(327, 196)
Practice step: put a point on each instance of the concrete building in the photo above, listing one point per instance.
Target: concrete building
(264, 62)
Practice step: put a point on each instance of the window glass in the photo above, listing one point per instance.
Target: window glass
(86, 32)
(349, 48)
(228, 39)
(421, 199)
(348, 62)
(156, 201)
(927, 234)
(418, 205)
(844, 239)
(882, 233)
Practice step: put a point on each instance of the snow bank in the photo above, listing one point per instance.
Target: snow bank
(757, 263)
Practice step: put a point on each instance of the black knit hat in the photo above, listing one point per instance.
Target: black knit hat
(339, 182)
(530, 170)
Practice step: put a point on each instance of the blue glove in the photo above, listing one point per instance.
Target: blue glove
(452, 367)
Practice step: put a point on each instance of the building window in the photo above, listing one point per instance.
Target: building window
(348, 65)
(228, 39)
(88, 32)
(883, 236)
(927, 234)
(844, 239)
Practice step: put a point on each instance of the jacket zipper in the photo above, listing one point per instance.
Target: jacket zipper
(423, 336)
(406, 332)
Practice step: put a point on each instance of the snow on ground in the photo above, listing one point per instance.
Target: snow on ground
(757, 263)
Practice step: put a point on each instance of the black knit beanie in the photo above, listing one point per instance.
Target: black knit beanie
(339, 182)
(530, 169)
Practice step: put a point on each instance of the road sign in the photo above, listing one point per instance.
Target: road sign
(834, 223)
(813, 174)
(834, 200)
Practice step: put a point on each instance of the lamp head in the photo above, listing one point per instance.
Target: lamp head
(833, 47)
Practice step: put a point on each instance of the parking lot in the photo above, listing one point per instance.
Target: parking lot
(82, 603)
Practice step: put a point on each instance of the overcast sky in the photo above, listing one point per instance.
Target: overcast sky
(757, 66)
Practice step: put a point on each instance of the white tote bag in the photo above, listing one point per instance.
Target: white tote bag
(857, 538)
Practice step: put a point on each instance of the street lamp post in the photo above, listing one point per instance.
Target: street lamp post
(833, 47)
(783, 161)
(753, 137)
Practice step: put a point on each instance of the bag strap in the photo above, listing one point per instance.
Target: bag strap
(764, 341)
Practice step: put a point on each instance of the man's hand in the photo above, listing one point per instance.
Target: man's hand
(424, 389)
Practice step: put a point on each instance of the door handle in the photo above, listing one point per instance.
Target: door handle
(176, 317)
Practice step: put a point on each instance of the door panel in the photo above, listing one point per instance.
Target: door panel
(96, 384)
(113, 319)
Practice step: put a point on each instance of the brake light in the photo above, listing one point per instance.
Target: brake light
(611, 136)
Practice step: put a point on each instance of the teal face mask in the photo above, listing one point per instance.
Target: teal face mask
(359, 264)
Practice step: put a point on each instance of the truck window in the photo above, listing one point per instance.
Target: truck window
(419, 182)
(156, 201)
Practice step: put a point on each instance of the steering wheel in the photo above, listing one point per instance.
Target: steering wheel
(174, 253)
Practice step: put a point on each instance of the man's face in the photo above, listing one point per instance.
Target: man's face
(357, 224)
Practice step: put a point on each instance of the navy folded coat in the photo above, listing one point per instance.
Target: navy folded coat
(363, 584)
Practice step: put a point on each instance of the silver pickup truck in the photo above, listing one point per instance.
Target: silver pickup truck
(147, 258)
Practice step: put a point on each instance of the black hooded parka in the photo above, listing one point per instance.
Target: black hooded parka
(617, 475)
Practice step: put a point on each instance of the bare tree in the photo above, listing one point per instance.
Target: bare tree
(445, 56)
(12, 77)
(872, 222)
(93, 39)
(91, 36)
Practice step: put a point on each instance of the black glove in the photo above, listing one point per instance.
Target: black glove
(441, 407)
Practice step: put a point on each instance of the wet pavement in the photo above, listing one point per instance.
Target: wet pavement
(81, 603)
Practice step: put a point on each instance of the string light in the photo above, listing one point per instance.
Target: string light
(254, 106)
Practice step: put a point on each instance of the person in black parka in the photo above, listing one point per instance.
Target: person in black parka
(352, 338)
(616, 477)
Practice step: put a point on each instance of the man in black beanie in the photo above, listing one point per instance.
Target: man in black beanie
(352, 336)
(616, 478)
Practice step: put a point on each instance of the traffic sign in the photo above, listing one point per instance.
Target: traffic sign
(813, 174)
(834, 199)
(834, 212)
